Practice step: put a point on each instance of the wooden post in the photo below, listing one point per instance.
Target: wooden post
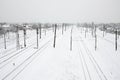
(116, 40)
(95, 39)
(54, 35)
(4, 41)
(17, 38)
(24, 31)
(37, 37)
(71, 41)
(40, 31)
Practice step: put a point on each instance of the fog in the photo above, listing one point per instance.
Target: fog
(60, 11)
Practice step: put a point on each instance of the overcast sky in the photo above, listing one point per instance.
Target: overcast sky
(60, 10)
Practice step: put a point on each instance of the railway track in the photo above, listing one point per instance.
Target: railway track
(13, 40)
(97, 68)
(12, 50)
(6, 61)
(84, 64)
(108, 40)
(43, 47)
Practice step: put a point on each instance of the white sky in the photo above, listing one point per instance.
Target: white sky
(60, 10)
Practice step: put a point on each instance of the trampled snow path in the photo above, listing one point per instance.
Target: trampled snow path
(82, 63)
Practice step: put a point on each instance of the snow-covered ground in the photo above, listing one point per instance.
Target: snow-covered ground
(59, 63)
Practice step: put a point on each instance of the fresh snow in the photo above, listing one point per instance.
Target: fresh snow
(59, 63)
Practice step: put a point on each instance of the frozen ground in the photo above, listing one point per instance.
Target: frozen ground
(59, 63)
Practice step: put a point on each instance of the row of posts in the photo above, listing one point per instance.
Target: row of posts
(24, 32)
(94, 29)
(38, 31)
(54, 42)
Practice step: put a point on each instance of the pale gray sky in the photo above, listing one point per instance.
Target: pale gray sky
(60, 10)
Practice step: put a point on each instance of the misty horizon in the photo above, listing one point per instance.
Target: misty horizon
(59, 11)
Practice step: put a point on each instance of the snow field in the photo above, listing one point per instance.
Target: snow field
(59, 63)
